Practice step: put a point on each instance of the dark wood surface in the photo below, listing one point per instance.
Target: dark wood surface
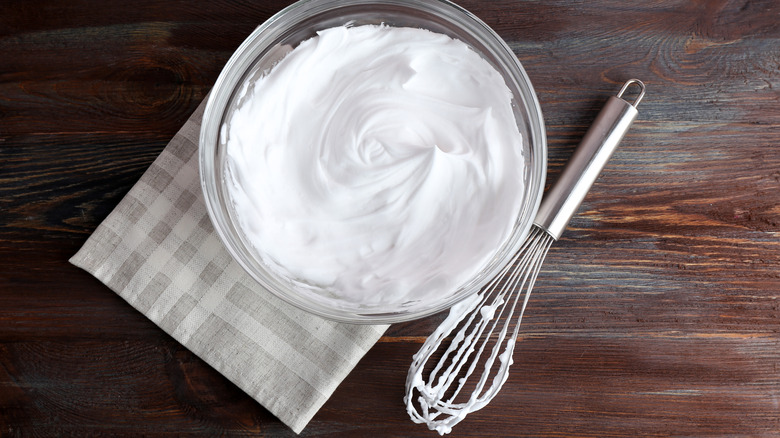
(656, 314)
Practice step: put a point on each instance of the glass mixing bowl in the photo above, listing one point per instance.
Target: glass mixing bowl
(300, 21)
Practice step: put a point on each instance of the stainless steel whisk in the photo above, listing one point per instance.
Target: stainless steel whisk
(472, 323)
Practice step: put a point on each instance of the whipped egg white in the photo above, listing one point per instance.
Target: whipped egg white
(378, 164)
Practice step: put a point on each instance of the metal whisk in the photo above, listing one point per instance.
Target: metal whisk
(444, 398)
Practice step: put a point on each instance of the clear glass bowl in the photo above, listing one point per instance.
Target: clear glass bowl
(300, 21)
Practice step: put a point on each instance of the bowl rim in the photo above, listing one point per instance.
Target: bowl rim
(537, 145)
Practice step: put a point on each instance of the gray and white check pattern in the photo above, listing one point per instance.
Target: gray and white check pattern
(158, 251)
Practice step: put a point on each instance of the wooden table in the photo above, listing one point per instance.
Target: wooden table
(656, 314)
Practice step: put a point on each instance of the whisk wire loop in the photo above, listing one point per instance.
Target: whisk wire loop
(487, 311)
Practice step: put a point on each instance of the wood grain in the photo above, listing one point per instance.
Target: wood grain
(656, 314)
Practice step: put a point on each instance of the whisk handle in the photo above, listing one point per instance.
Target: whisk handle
(565, 196)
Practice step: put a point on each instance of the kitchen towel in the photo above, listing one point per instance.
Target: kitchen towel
(159, 251)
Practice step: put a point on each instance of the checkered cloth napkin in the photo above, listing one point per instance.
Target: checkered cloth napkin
(158, 251)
